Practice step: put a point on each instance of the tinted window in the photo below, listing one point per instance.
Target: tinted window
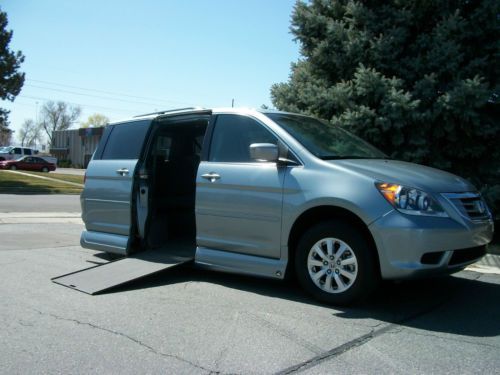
(126, 140)
(325, 140)
(27, 151)
(233, 136)
(17, 150)
(39, 160)
(163, 146)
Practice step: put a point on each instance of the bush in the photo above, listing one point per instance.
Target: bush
(64, 163)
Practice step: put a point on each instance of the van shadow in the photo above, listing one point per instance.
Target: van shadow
(457, 304)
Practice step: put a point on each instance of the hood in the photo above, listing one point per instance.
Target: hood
(408, 174)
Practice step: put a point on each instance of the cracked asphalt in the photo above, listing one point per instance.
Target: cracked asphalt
(187, 320)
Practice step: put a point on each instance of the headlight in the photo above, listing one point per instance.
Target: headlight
(410, 201)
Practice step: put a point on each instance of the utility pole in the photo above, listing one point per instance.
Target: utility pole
(232, 103)
(36, 121)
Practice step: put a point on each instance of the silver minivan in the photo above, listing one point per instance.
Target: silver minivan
(271, 193)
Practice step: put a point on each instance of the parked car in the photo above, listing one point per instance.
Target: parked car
(14, 153)
(268, 193)
(28, 163)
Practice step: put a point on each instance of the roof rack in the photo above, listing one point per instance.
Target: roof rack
(168, 111)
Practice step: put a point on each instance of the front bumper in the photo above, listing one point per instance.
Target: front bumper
(410, 246)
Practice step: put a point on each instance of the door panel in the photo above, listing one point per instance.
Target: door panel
(23, 165)
(107, 197)
(241, 210)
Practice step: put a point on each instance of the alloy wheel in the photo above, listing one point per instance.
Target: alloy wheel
(332, 265)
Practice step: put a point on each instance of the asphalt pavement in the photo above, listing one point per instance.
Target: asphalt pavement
(186, 320)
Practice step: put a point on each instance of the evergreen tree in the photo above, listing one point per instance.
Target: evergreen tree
(11, 81)
(419, 79)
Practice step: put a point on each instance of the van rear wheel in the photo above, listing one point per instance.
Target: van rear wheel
(335, 264)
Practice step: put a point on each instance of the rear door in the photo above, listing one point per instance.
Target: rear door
(107, 199)
(239, 200)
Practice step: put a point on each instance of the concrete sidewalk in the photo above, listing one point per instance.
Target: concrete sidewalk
(40, 217)
(489, 264)
(72, 171)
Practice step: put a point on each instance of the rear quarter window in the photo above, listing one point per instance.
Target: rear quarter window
(124, 141)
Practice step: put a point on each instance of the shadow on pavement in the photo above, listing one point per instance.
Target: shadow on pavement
(457, 304)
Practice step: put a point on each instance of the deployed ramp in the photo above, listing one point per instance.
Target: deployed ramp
(103, 277)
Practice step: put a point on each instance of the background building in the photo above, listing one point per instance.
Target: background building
(74, 147)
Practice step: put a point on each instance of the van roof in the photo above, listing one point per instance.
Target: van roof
(154, 115)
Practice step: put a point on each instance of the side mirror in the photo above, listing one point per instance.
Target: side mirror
(264, 152)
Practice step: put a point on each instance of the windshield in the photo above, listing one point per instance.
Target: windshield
(325, 140)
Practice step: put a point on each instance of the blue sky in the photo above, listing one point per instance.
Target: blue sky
(122, 58)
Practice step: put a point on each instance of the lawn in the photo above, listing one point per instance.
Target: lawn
(59, 176)
(13, 183)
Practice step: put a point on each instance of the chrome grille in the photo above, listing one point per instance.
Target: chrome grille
(470, 205)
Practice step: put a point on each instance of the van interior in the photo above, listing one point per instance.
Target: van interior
(172, 162)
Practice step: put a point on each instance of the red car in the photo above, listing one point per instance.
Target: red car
(28, 163)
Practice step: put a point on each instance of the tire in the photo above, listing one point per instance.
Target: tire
(345, 274)
(13, 168)
(45, 169)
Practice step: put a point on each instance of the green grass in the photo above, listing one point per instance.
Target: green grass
(59, 176)
(13, 183)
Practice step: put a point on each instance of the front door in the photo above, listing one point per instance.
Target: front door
(239, 200)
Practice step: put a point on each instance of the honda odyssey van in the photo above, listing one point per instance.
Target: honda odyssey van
(269, 193)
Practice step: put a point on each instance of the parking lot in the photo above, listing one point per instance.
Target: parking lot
(187, 320)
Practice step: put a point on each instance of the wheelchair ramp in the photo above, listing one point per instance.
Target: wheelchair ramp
(98, 279)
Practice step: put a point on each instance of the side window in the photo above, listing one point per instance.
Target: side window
(16, 151)
(198, 144)
(232, 137)
(126, 140)
(163, 147)
(27, 151)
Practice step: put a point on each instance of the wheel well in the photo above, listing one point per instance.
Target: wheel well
(316, 215)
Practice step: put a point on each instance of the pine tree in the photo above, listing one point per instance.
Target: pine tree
(11, 81)
(419, 79)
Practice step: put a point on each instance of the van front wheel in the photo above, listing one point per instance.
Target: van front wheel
(335, 264)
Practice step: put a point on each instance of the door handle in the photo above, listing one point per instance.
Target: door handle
(212, 176)
(122, 171)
